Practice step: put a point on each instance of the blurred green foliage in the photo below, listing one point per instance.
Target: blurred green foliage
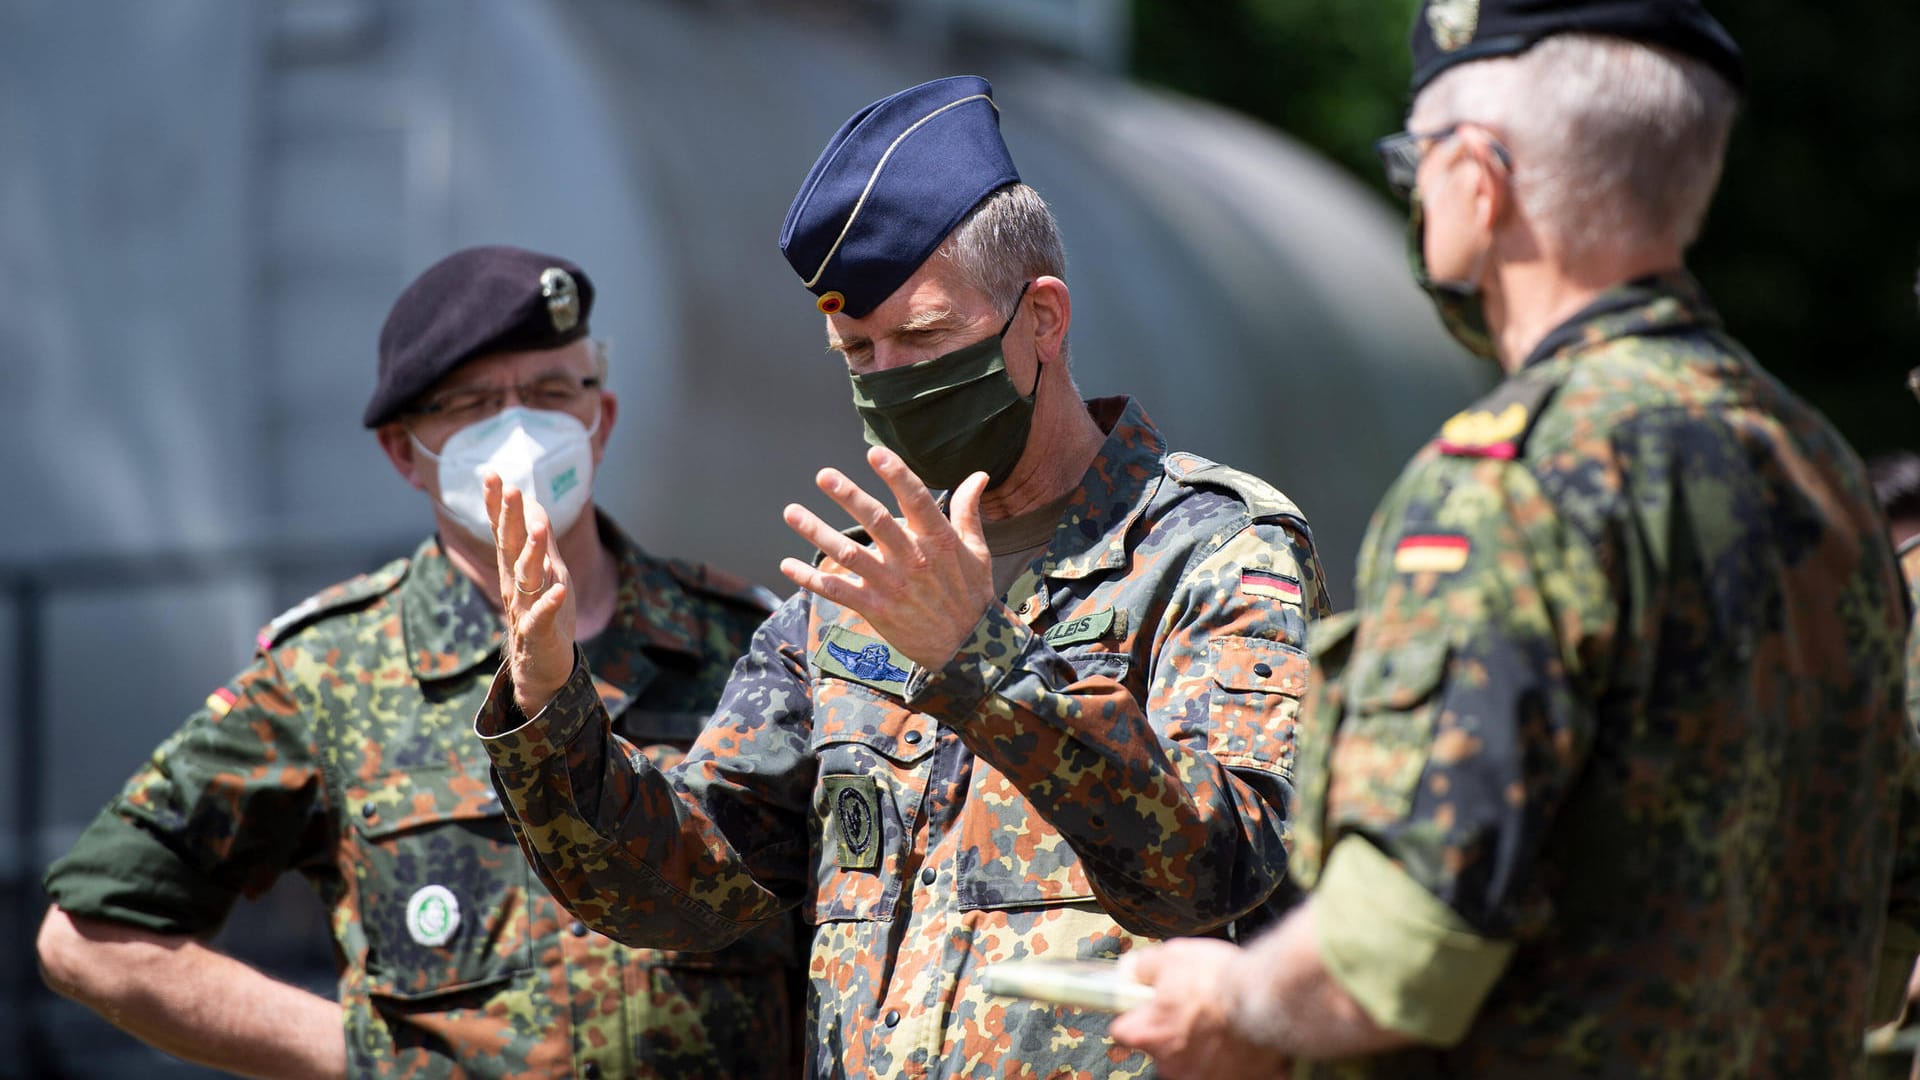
(1811, 249)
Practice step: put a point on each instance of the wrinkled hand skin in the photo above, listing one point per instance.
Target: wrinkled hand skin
(1189, 1027)
(345, 753)
(1127, 781)
(1650, 730)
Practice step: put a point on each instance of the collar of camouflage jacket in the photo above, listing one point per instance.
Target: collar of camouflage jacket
(1118, 486)
(450, 627)
(1670, 303)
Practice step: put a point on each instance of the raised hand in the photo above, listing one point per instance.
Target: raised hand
(536, 594)
(924, 581)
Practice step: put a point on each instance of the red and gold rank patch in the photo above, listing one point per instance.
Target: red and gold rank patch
(220, 702)
(1271, 585)
(1431, 553)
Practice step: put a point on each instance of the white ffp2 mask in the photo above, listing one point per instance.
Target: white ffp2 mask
(547, 455)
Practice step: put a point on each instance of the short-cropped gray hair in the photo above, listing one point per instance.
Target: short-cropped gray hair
(1616, 144)
(1005, 242)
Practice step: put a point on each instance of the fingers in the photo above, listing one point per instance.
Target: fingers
(868, 511)
(1144, 964)
(917, 504)
(965, 511)
(832, 543)
(831, 587)
(530, 567)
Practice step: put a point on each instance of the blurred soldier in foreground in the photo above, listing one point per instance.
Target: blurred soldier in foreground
(1053, 719)
(344, 753)
(1600, 778)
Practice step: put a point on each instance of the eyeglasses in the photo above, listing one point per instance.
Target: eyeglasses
(1400, 155)
(551, 393)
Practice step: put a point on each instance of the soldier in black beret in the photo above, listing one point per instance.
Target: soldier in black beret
(345, 752)
(1606, 763)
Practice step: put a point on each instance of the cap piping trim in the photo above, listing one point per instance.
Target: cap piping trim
(874, 178)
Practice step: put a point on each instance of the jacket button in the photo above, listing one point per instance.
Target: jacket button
(1262, 670)
(577, 928)
(369, 811)
(911, 737)
(927, 876)
(592, 1071)
(893, 1017)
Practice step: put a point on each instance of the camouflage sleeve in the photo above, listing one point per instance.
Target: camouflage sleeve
(1176, 804)
(687, 859)
(224, 806)
(1467, 713)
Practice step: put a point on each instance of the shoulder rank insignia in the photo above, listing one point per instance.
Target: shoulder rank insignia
(863, 659)
(1497, 426)
(347, 593)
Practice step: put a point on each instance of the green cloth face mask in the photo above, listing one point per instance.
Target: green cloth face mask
(951, 416)
(1458, 302)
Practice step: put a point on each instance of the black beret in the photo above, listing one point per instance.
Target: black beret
(1449, 32)
(896, 178)
(474, 302)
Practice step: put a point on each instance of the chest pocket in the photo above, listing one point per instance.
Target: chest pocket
(1010, 857)
(872, 754)
(441, 885)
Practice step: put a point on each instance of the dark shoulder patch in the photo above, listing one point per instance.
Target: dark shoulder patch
(1496, 426)
(1262, 500)
(731, 588)
(351, 593)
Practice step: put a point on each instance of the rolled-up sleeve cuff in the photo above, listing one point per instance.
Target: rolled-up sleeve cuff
(516, 741)
(1407, 959)
(984, 661)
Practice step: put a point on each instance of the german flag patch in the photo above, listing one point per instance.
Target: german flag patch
(1271, 585)
(220, 702)
(1431, 553)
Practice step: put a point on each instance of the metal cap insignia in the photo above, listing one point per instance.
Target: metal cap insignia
(1453, 22)
(563, 298)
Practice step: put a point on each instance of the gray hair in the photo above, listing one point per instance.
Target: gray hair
(1616, 144)
(1009, 239)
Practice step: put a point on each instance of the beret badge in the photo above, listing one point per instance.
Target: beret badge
(563, 298)
(831, 303)
(1453, 22)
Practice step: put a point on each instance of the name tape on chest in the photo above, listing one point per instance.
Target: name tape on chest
(1084, 628)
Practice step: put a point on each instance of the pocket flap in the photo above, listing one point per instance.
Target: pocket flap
(1250, 664)
(847, 712)
(398, 802)
(1400, 678)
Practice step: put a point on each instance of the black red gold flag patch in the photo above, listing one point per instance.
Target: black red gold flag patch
(1431, 553)
(1269, 584)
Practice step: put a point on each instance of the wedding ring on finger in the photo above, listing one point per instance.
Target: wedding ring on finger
(535, 591)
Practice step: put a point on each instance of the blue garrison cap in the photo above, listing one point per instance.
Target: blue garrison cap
(891, 184)
(1449, 32)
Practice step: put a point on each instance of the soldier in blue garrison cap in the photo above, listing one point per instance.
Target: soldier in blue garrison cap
(1050, 717)
(1611, 754)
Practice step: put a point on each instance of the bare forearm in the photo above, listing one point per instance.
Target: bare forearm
(192, 1001)
(1292, 1003)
